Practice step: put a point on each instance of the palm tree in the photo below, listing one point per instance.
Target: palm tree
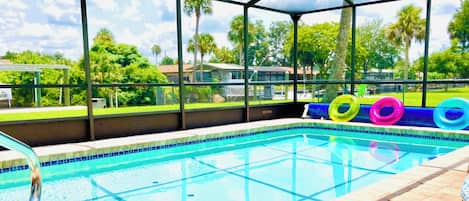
(156, 50)
(409, 26)
(338, 64)
(197, 7)
(236, 34)
(103, 36)
(205, 46)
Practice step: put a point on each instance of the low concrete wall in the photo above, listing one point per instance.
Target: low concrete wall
(58, 131)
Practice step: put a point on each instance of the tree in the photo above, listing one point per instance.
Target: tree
(447, 64)
(167, 61)
(315, 44)
(340, 54)
(236, 35)
(223, 55)
(409, 26)
(459, 27)
(259, 51)
(205, 46)
(103, 36)
(277, 38)
(50, 96)
(156, 50)
(111, 62)
(373, 50)
(197, 7)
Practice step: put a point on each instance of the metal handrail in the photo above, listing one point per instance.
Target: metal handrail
(33, 163)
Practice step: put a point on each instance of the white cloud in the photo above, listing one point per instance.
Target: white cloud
(106, 5)
(94, 22)
(132, 12)
(132, 23)
(169, 4)
(14, 4)
(66, 11)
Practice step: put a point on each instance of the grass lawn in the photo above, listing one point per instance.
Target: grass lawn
(415, 98)
(20, 116)
(410, 99)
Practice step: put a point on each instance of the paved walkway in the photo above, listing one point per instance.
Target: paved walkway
(439, 179)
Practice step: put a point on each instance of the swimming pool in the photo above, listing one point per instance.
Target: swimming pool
(284, 164)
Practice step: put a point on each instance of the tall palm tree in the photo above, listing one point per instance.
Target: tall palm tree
(156, 50)
(103, 36)
(236, 34)
(205, 46)
(197, 7)
(340, 54)
(409, 26)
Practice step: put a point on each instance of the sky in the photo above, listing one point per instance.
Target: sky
(50, 26)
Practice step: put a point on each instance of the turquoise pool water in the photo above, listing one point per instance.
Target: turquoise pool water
(298, 164)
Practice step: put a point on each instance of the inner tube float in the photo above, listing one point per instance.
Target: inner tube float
(459, 104)
(341, 148)
(384, 152)
(348, 115)
(394, 117)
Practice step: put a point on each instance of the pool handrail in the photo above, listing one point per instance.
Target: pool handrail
(32, 159)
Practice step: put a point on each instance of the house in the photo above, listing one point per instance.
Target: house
(230, 72)
(172, 72)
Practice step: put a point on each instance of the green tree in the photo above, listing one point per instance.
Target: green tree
(205, 46)
(111, 62)
(223, 55)
(459, 27)
(156, 50)
(340, 54)
(409, 26)
(373, 50)
(167, 61)
(103, 36)
(236, 35)
(276, 37)
(315, 45)
(197, 7)
(259, 51)
(447, 64)
(50, 96)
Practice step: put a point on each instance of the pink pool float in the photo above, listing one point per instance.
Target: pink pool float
(390, 119)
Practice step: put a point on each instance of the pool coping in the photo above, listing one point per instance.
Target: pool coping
(74, 152)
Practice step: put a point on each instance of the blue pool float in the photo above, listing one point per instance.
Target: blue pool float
(450, 105)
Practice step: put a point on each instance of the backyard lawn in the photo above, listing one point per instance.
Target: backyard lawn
(415, 98)
(123, 110)
(410, 99)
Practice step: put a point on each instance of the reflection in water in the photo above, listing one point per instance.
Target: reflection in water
(341, 154)
(385, 152)
(246, 174)
(184, 181)
(293, 171)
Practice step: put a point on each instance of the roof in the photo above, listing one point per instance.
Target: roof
(300, 7)
(224, 66)
(300, 71)
(174, 68)
(233, 67)
(30, 67)
(5, 61)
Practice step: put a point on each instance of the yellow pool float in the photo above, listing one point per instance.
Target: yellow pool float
(348, 115)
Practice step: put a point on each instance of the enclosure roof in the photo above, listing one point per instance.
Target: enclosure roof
(302, 6)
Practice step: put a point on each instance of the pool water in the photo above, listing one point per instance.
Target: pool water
(299, 164)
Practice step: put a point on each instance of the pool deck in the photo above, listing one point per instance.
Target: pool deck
(438, 179)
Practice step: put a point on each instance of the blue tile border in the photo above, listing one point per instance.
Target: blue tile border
(246, 134)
